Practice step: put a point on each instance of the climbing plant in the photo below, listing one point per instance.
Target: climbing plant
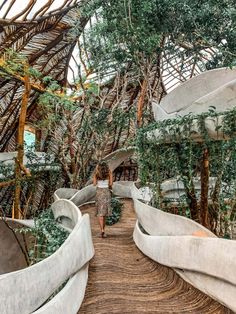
(177, 149)
(152, 38)
(47, 235)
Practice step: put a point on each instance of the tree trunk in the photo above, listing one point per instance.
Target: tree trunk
(141, 102)
(193, 204)
(204, 188)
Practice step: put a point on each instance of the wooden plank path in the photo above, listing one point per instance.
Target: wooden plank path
(123, 280)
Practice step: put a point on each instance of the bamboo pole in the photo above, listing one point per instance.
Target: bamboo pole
(16, 212)
(7, 183)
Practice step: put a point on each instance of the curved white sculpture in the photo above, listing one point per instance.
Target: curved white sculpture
(39, 281)
(207, 262)
(211, 88)
(215, 88)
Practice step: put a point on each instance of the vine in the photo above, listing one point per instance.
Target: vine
(48, 236)
(182, 148)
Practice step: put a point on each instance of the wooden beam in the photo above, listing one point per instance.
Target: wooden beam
(16, 213)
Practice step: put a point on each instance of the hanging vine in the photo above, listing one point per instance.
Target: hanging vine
(204, 165)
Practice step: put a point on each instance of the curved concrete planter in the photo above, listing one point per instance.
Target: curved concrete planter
(24, 291)
(215, 88)
(211, 88)
(207, 262)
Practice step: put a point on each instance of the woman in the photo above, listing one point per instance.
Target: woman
(103, 180)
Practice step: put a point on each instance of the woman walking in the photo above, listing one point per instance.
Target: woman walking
(103, 181)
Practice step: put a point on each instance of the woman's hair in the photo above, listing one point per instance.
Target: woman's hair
(102, 171)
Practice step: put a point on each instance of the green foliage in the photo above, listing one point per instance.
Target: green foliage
(116, 206)
(14, 62)
(46, 171)
(172, 152)
(133, 29)
(48, 236)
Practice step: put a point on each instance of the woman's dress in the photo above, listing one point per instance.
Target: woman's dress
(103, 198)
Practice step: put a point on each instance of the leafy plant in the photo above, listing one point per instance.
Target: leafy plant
(47, 234)
(116, 206)
(175, 153)
(134, 30)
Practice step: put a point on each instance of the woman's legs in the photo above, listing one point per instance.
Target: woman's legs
(102, 223)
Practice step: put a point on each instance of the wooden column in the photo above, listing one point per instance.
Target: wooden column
(16, 212)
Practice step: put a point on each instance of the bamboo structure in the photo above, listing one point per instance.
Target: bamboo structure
(41, 32)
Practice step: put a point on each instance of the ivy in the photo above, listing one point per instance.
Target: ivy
(168, 149)
(116, 206)
(47, 234)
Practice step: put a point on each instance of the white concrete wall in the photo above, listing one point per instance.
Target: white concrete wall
(26, 290)
(207, 262)
(211, 88)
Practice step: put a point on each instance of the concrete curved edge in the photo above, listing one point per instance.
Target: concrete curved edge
(43, 161)
(171, 186)
(210, 253)
(24, 222)
(208, 263)
(78, 197)
(117, 157)
(225, 293)
(62, 264)
(84, 195)
(7, 158)
(157, 222)
(70, 298)
(39, 281)
(88, 193)
(211, 125)
(65, 193)
(167, 250)
(198, 94)
(173, 234)
(66, 208)
(122, 189)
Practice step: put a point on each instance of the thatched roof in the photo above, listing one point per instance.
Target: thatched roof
(42, 36)
(41, 31)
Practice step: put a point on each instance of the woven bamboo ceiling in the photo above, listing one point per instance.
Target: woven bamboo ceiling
(40, 30)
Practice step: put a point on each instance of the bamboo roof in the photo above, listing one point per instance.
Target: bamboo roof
(40, 30)
(41, 35)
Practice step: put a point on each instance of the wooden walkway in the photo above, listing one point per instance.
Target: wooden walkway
(123, 280)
